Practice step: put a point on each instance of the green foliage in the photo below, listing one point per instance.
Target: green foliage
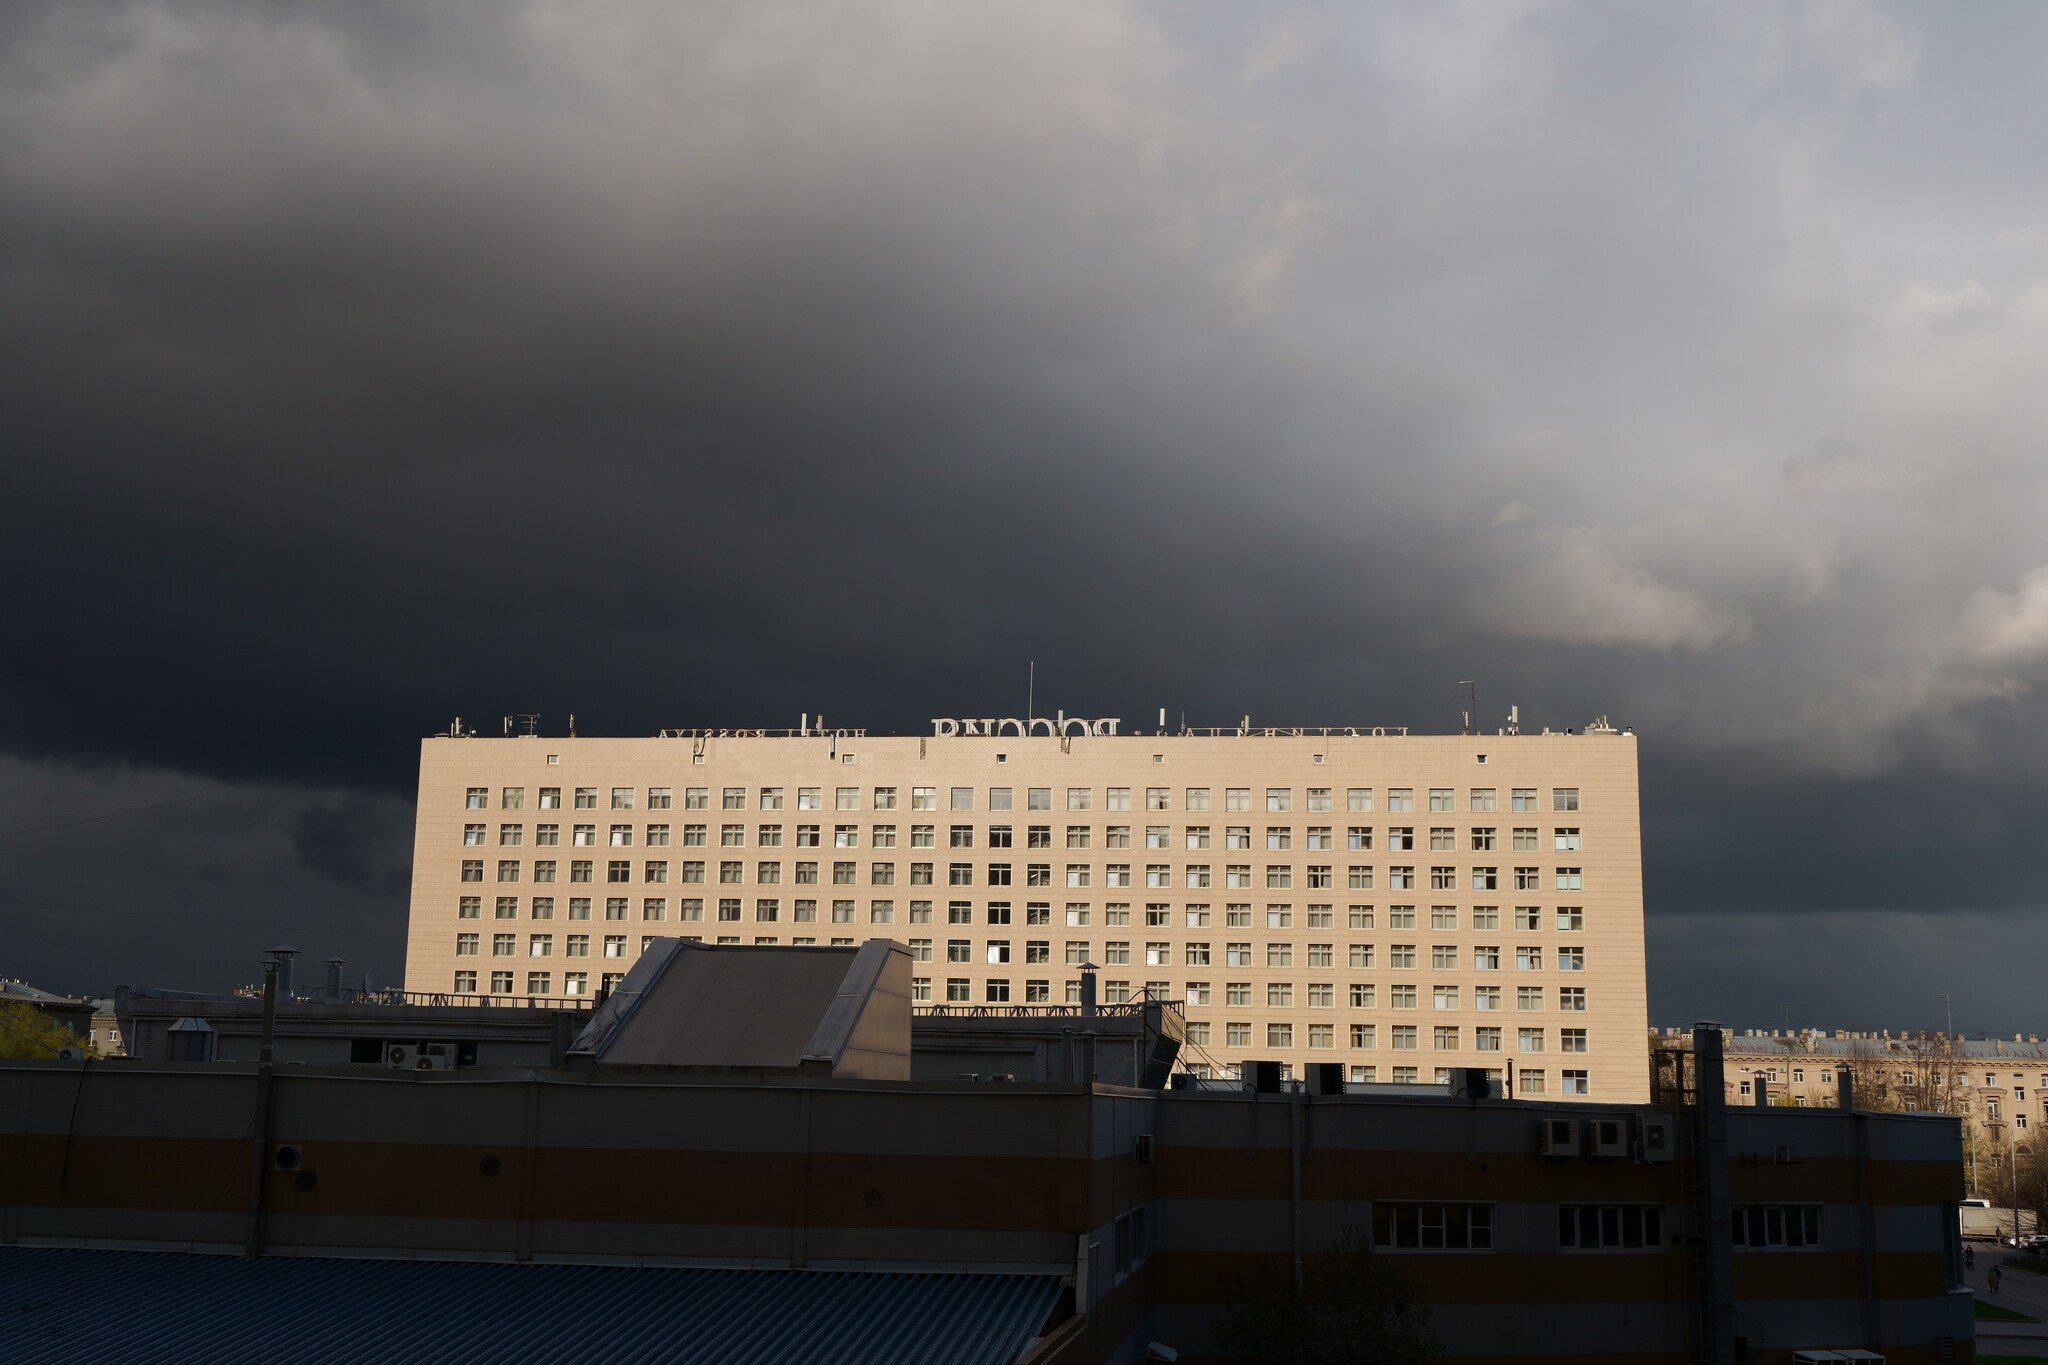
(26, 1031)
(1991, 1312)
(1352, 1308)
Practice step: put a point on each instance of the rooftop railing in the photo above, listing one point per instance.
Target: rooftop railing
(1112, 1010)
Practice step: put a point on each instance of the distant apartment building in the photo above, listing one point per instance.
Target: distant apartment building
(1402, 904)
(1998, 1086)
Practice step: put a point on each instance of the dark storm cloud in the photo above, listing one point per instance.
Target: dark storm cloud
(710, 365)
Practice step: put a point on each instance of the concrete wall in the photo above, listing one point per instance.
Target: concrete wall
(1227, 1163)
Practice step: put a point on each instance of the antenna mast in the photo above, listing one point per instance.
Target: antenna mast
(1031, 692)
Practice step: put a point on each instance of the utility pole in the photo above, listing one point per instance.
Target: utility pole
(1949, 1011)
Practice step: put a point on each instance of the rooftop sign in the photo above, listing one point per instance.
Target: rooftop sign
(1062, 724)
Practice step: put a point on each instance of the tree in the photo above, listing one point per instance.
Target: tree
(26, 1031)
(1352, 1308)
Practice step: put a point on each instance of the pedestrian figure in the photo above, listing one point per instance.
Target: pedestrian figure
(1969, 1258)
(1993, 1279)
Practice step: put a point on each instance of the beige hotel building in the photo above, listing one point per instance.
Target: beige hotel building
(1398, 903)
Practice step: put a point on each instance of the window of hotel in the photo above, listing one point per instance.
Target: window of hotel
(1365, 1036)
(1358, 798)
(1197, 917)
(1485, 1039)
(1528, 998)
(1571, 918)
(1571, 999)
(477, 798)
(1529, 1039)
(1079, 798)
(1571, 959)
(473, 836)
(1279, 798)
(1279, 1035)
(1443, 957)
(1197, 798)
(1570, 879)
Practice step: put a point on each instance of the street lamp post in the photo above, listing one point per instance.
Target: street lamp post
(2012, 1166)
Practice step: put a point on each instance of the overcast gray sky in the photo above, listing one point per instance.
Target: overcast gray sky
(707, 364)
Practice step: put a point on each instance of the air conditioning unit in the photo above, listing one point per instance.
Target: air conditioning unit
(420, 1056)
(1610, 1136)
(1657, 1140)
(1560, 1137)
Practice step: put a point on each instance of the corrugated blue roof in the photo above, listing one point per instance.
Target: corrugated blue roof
(71, 1307)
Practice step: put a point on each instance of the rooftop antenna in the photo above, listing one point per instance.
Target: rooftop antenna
(1514, 720)
(1471, 696)
(1031, 692)
(508, 727)
(572, 725)
(529, 721)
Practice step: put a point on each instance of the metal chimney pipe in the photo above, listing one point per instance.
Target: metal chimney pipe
(1088, 990)
(334, 981)
(1845, 1080)
(284, 953)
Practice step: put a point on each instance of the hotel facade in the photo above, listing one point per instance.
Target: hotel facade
(1402, 904)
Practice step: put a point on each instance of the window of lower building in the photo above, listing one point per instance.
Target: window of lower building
(1433, 1227)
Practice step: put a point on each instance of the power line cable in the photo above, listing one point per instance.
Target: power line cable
(196, 919)
(92, 814)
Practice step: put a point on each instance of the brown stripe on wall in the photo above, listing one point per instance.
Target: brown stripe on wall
(1213, 1277)
(1336, 1174)
(407, 1180)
